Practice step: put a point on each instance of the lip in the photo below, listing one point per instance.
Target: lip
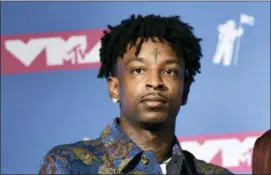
(154, 101)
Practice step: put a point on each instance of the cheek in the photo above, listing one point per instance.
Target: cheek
(129, 95)
(175, 92)
(129, 90)
(178, 93)
(175, 86)
(131, 85)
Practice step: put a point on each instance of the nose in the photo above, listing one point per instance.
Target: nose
(154, 81)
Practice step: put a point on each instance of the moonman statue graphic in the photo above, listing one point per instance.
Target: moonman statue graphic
(228, 33)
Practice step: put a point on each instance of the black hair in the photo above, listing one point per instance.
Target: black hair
(171, 29)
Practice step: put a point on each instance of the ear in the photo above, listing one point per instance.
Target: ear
(113, 88)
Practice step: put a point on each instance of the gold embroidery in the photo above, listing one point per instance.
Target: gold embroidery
(138, 172)
(106, 170)
(106, 132)
(84, 155)
(211, 169)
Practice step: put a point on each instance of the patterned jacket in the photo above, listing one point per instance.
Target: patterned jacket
(115, 153)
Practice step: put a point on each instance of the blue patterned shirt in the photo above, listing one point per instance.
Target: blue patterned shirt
(115, 153)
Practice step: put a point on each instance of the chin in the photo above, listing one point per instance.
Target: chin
(154, 122)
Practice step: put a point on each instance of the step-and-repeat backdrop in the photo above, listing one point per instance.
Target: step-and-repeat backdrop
(50, 94)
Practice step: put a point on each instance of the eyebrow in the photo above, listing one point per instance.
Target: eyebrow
(142, 60)
(136, 59)
(172, 61)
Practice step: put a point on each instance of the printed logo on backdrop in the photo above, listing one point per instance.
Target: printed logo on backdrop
(231, 151)
(229, 40)
(45, 52)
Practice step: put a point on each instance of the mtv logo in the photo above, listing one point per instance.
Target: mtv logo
(62, 51)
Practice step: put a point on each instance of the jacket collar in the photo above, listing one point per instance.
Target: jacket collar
(120, 149)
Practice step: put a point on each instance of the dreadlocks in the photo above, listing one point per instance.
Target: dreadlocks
(171, 29)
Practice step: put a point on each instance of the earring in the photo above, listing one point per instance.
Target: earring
(115, 100)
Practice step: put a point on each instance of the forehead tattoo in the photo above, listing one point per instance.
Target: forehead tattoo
(155, 53)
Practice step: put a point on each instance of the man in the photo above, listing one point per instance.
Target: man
(149, 63)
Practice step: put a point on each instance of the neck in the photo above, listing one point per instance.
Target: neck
(159, 142)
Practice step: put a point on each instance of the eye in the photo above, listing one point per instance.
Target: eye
(171, 71)
(138, 70)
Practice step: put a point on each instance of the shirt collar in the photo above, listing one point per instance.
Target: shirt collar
(120, 149)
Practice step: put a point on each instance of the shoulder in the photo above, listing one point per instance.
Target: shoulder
(208, 168)
(204, 167)
(59, 159)
(69, 150)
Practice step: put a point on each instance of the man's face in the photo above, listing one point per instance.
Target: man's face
(150, 85)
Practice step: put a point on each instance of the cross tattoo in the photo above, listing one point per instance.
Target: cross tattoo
(156, 53)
